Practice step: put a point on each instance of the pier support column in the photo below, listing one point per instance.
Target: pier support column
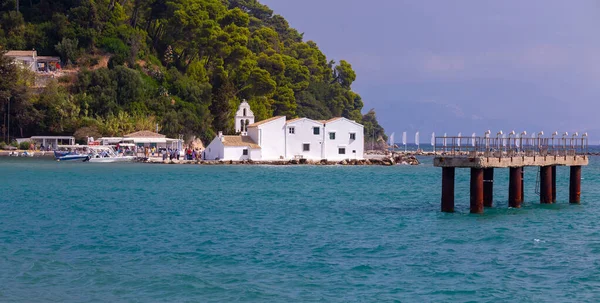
(575, 185)
(546, 184)
(448, 189)
(523, 184)
(476, 190)
(488, 187)
(553, 183)
(515, 187)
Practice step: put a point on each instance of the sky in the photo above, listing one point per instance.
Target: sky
(464, 65)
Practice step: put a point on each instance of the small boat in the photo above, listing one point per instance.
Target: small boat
(71, 156)
(106, 154)
(27, 154)
(71, 153)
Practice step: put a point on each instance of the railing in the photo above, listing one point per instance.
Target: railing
(489, 147)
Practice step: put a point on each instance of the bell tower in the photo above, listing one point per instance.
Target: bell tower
(243, 117)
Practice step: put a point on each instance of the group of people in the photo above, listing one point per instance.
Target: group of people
(188, 154)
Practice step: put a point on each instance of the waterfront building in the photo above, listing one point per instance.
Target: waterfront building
(144, 138)
(279, 139)
(343, 139)
(304, 139)
(269, 135)
(236, 148)
(51, 142)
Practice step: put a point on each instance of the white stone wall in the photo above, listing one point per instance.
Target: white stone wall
(303, 133)
(343, 127)
(253, 133)
(236, 153)
(215, 150)
(271, 139)
(26, 62)
(256, 154)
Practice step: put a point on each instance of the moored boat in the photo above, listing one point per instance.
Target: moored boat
(106, 154)
(70, 156)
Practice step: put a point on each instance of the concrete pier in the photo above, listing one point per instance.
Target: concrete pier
(488, 187)
(575, 185)
(482, 155)
(515, 190)
(476, 190)
(448, 189)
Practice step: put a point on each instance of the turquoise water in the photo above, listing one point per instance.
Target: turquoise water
(82, 232)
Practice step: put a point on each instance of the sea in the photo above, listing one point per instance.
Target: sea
(114, 232)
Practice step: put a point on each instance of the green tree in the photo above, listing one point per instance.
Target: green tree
(184, 64)
(67, 48)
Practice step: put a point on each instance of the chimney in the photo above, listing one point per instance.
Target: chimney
(221, 136)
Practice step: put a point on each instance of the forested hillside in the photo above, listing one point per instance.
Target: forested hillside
(182, 64)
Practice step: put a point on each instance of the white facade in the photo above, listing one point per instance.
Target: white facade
(347, 141)
(277, 139)
(303, 139)
(243, 117)
(236, 148)
(215, 150)
(269, 135)
(26, 58)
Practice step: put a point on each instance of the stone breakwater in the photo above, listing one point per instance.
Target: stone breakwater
(386, 161)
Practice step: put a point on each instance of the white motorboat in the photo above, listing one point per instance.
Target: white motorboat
(106, 154)
(71, 153)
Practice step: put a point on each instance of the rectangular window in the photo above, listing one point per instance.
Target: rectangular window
(352, 136)
(306, 147)
(342, 150)
(292, 130)
(245, 152)
(316, 130)
(331, 136)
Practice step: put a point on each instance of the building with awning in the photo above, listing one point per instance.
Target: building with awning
(50, 141)
(144, 138)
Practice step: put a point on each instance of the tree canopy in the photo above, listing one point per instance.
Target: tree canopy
(182, 64)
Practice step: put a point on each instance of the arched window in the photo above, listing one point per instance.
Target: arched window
(242, 125)
(244, 112)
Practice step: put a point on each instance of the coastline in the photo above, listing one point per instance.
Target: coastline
(370, 159)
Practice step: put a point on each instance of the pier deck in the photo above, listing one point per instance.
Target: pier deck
(483, 154)
(513, 161)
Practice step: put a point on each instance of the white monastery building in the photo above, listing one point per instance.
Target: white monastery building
(280, 139)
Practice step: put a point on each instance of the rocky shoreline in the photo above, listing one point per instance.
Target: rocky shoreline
(385, 161)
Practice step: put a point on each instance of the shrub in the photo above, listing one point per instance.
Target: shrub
(24, 145)
(68, 50)
(114, 45)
